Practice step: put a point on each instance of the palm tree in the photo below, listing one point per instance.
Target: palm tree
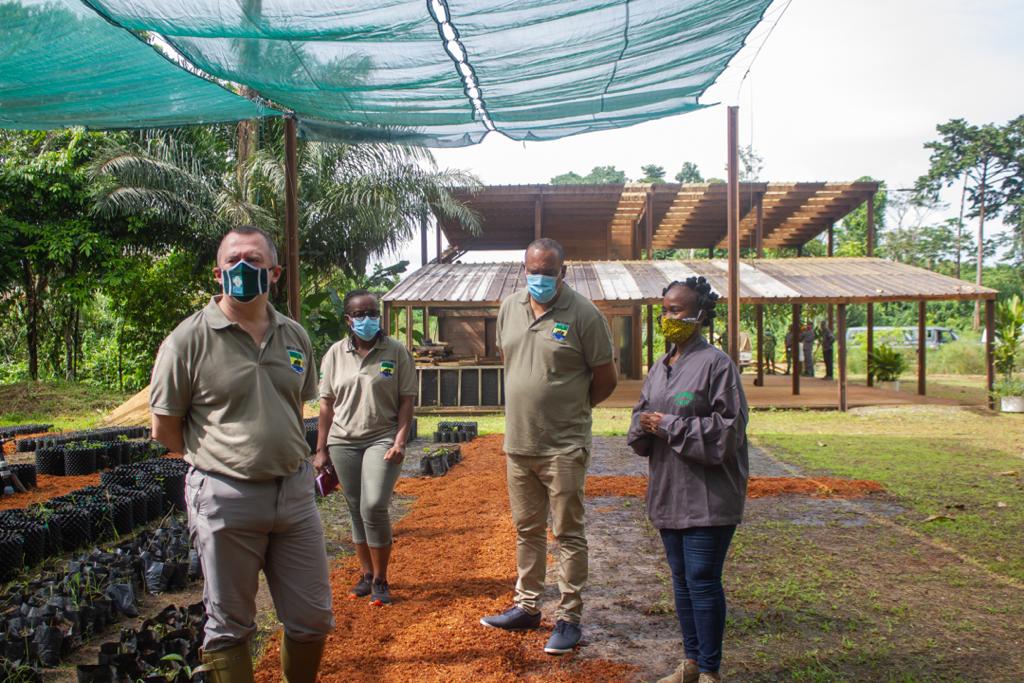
(356, 201)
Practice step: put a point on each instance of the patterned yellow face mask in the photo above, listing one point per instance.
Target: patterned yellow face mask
(678, 331)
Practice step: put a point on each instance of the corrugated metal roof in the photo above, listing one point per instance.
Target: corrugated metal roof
(792, 280)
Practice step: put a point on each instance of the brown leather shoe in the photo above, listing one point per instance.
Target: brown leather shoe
(686, 672)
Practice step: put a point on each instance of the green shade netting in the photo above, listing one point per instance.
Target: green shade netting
(447, 73)
(62, 65)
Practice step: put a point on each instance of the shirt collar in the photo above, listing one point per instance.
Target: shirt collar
(699, 343)
(216, 319)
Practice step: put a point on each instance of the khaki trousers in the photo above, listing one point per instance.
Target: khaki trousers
(241, 527)
(538, 485)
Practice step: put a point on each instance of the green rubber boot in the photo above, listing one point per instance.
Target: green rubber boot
(230, 665)
(300, 661)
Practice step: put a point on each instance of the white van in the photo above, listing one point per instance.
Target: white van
(902, 337)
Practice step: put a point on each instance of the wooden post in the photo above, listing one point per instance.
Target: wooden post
(650, 337)
(649, 225)
(990, 333)
(794, 350)
(759, 226)
(830, 251)
(922, 347)
(733, 223)
(291, 213)
(385, 322)
(711, 252)
(759, 318)
(437, 237)
(869, 248)
(538, 210)
(426, 323)
(841, 340)
(871, 343)
(423, 238)
(408, 330)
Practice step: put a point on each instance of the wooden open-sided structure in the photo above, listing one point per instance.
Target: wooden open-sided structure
(463, 297)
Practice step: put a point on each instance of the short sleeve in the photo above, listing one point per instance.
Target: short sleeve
(170, 387)
(596, 338)
(408, 381)
(326, 374)
(498, 325)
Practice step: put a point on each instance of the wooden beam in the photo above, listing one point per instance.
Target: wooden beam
(408, 331)
(841, 340)
(650, 337)
(437, 238)
(759, 227)
(990, 333)
(649, 225)
(291, 213)
(870, 246)
(922, 347)
(830, 251)
(733, 221)
(794, 351)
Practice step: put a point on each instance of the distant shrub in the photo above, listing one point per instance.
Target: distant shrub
(965, 356)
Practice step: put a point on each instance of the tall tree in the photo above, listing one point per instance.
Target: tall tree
(652, 173)
(983, 158)
(751, 164)
(599, 175)
(689, 173)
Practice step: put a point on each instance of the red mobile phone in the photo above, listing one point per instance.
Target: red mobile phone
(326, 481)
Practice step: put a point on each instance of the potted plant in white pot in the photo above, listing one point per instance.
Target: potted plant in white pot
(1009, 390)
(887, 364)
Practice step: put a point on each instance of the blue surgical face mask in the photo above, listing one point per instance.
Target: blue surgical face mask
(542, 287)
(243, 282)
(366, 328)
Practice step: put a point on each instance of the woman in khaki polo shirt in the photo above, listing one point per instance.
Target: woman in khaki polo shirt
(367, 389)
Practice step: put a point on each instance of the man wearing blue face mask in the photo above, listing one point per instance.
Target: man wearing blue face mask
(228, 388)
(558, 356)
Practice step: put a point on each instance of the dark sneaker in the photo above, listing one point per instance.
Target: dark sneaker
(515, 619)
(379, 593)
(361, 589)
(564, 638)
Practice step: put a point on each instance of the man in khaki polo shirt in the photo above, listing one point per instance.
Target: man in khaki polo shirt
(558, 358)
(227, 391)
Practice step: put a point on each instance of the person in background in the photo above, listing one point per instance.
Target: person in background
(690, 422)
(789, 349)
(807, 350)
(227, 390)
(367, 390)
(827, 340)
(769, 351)
(559, 364)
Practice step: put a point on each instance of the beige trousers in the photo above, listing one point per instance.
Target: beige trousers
(242, 527)
(538, 485)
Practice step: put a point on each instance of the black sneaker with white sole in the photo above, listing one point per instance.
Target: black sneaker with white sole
(363, 588)
(379, 593)
(564, 638)
(514, 619)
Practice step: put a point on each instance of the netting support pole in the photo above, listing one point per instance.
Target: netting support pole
(990, 333)
(733, 222)
(841, 341)
(291, 212)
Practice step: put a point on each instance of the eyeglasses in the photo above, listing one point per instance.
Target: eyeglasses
(365, 314)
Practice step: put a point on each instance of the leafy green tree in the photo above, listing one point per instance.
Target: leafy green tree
(689, 173)
(652, 174)
(851, 234)
(599, 175)
(751, 164)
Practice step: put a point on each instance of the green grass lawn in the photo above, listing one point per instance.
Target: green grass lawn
(67, 405)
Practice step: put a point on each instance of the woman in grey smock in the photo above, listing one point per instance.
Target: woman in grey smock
(691, 423)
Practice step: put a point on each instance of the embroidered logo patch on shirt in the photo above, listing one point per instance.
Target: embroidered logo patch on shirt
(297, 359)
(560, 331)
(683, 398)
(387, 368)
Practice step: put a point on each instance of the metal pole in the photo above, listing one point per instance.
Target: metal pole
(794, 351)
(733, 222)
(922, 348)
(841, 339)
(990, 333)
(291, 211)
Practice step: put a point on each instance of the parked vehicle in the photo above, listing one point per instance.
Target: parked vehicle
(903, 337)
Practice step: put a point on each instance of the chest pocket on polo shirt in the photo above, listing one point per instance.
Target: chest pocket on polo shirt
(559, 347)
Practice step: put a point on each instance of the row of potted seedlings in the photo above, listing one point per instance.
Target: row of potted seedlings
(46, 619)
(455, 432)
(102, 434)
(438, 460)
(85, 457)
(18, 430)
(128, 497)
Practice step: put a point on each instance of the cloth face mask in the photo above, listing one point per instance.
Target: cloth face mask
(366, 328)
(243, 282)
(677, 331)
(542, 287)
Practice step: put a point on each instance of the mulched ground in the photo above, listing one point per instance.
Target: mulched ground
(48, 486)
(453, 562)
(757, 487)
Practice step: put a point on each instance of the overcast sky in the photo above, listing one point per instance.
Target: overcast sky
(842, 89)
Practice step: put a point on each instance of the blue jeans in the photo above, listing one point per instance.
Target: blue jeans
(696, 557)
